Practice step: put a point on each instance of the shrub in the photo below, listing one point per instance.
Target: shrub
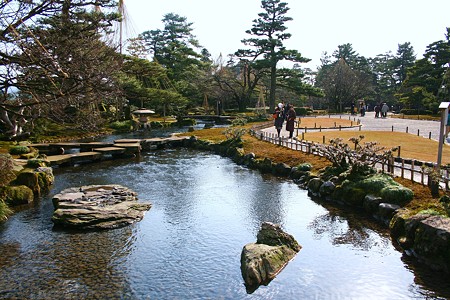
(187, 122)
(302, 111)
(5, 211)
(17, 150)
(234, 133)
(122, 126)
(241, 120)
(156, 124)
(359, 159)
(407, 111)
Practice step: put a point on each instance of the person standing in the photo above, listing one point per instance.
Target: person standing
(384, 110)
(278, 116)
(290, 120)
(377, 111)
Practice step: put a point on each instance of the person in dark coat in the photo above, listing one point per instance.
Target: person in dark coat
(278, 116)
(377, 111)
(290, 120)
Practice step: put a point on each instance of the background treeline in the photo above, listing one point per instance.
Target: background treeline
(62, 62)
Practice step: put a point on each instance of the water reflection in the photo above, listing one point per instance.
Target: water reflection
(346, 227)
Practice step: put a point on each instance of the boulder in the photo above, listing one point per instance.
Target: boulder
(18, 195)
(30, 178)
(281, 169)
(263, 260)
(424, 236)
(371, 203)
(314, 186)
(327, 188)
(97, 207)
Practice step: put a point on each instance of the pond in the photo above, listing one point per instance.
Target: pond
(188, 246)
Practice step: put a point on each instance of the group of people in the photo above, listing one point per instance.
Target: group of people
(285, 113)
(381, 109)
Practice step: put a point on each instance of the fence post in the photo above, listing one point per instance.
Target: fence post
(392, 166)
(418, 132)
(407, 129)
(399, 149)
(412, 171)
(429, 135)
(403, 168)
(392, 128)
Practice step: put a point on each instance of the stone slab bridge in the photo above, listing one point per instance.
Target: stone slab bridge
(74, 153)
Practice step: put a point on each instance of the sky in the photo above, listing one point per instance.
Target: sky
(372, 26)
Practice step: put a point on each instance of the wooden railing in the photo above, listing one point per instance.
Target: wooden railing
(413, 170)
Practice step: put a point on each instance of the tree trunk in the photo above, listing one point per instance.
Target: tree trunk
(273, 85)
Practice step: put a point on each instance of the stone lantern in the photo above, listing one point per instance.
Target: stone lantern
(143, 115)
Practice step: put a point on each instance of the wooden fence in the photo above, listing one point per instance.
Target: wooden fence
(413, 170)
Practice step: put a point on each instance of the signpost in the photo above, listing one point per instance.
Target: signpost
(443, 107)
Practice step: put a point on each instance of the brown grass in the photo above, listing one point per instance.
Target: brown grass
(282, 154)
(412, 146)
(263, 149)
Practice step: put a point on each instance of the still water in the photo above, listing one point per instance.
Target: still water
(188, 246)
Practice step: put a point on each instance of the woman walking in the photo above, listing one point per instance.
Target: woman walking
(278, 115)
(290, 120)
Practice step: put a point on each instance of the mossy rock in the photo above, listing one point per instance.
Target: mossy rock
(396, 194)
(384, 186)
(30, 179)
(374, 184)
(18, 150)
(18, 195)
(36, 163)
(304, 167)
(30, 155)
(355, 196)
(45, 178)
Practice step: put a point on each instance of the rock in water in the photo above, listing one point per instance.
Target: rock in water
(263, 260)
(97, 207)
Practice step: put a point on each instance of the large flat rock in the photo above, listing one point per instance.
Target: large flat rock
(97, 207)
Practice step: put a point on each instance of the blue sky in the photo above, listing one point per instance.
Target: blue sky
(372, 27)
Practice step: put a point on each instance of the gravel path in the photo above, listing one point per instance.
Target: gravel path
(428, 129)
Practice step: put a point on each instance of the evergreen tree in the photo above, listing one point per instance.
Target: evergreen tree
(266, 47)
(404, 59)
(428, 81)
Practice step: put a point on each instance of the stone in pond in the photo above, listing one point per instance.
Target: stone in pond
(97, 207)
